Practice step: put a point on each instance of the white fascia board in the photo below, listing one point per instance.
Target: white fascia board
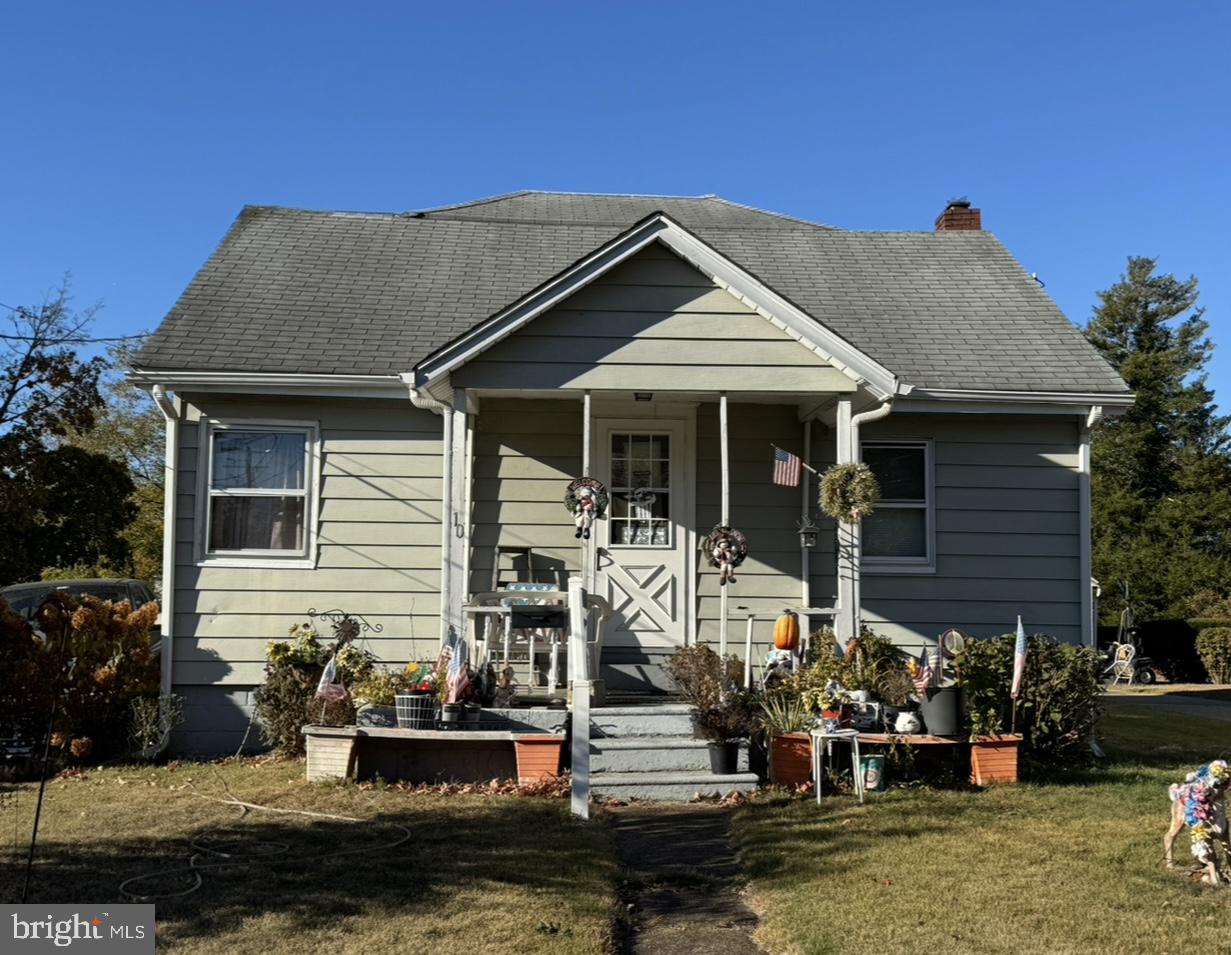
(1008, 402)
(260, 383)
(810, 333)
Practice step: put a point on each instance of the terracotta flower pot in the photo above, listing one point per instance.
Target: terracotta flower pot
(791, 759)
(538, 757)
(993, 759)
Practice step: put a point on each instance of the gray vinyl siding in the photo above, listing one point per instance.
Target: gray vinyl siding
(769, 579)
(525, 453)
(1007, 530)
(653, 323)
(378, 533)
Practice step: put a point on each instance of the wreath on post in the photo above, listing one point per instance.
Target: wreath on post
(599, 491)
(849, 492)
(725, 548)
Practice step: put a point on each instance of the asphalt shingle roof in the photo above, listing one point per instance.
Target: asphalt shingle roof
(291, 290)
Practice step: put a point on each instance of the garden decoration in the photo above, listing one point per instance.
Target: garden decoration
(1200, 802)
(586, 499)
(849, 492)
(725, 548)
(786, 631)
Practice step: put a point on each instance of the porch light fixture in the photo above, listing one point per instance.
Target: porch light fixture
(807, 532)
(643, 396)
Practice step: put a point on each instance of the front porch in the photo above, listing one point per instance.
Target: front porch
(676, 465)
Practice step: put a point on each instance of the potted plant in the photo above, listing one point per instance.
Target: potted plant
(375, 696)
(726, 725)
(787, 719)
(725, 713)
(417, 700)
(986, 672)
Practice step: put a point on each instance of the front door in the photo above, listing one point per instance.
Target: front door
(645, 545)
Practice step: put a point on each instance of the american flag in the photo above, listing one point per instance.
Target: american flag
(1019, 659)
(786, 468)
(923, 674)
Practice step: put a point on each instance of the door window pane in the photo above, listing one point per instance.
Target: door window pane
(640, 489)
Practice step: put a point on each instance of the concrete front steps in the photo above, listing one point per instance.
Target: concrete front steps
(650, 752)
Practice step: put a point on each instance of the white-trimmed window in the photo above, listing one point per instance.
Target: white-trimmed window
(898, 535)
(259, 491)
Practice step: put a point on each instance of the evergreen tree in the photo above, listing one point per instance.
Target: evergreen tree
(1162, 471)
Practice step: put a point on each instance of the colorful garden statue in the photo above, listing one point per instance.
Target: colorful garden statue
(1200, 802)
(725, 548)
(586, 499)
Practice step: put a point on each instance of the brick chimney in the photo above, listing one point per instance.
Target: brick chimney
(958, 216)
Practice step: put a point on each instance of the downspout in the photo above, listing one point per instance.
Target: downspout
(856, 529)
(170, 494)
(424, 401)
(1089, 623)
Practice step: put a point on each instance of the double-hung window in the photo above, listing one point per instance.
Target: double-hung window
(259, 500)
(898, 534)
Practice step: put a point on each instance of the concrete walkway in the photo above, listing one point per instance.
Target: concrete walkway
(683, 881)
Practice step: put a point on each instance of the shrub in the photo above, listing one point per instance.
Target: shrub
(287, 700)
(93, 659)
(1060, 700)
(1214, 647)
(712, 685)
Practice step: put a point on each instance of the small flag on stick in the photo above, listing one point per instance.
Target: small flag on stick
(923, 673)
(787, 468)
(1019, 659)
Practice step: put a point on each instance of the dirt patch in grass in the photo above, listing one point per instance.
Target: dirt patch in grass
(482, 874)
(1071, 866)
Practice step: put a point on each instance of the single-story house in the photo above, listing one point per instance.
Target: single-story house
(374, 411)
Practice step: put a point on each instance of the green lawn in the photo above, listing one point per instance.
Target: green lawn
(480, 874)
(1073, 866)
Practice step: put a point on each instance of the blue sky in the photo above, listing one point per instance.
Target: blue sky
(1086, 132)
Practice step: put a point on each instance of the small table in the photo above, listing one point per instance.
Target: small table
(821, 738)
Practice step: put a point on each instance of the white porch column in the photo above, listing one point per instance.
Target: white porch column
(725, 441)
(589, 546)
(457, 516)
(846, 623)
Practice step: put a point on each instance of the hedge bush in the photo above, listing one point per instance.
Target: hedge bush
(1214, 646)
(1060, 701)
(93, 659)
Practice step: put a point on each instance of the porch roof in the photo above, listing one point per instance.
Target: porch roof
(296, 291)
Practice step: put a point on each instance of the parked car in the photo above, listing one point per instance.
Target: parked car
(25, 599)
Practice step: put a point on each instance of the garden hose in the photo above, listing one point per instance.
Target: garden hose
(266, 852)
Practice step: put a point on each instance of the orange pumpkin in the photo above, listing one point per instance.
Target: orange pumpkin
(786, 631)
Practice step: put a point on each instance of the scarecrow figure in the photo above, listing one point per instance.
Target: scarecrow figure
(586, 500)
(725, 548)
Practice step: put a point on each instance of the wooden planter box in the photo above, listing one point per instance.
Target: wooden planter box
(538, 757)
(790, 761)
(993, 759)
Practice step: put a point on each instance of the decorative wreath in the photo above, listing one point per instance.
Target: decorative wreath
(595, 485)
(1197, 796)
(849, 492)
(736, 541)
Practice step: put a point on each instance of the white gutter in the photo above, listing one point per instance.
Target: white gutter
(420, 398)
(169, 497)
(1018, 397)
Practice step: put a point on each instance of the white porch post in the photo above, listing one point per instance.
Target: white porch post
(456, 516)
(589, 546)
(805, 510)
(579, 668)
(846, 623)
(724, 438)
